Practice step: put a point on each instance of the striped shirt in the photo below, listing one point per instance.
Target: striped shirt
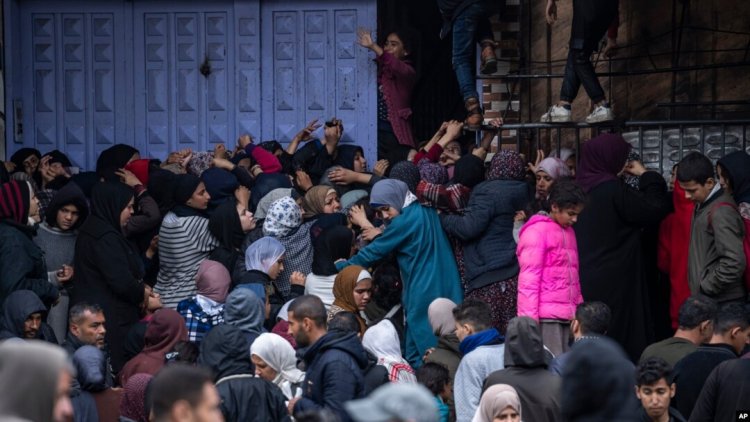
(184, 242)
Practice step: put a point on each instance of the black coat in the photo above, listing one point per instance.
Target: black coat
(486, 230)
(726, 391)
(108, 273)
(243, 396)
(22, 265)
(692, 371)
(334, 366)
(612, 269)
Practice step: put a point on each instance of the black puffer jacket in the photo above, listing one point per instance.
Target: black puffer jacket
(22, 264)
(243, 396)
(335, 361)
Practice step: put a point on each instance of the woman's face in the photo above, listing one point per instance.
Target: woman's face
(507, 415)
(247, 221)
(200, 198)
(360, 164)
(395, 47)
(543, 183)
(723, 180)
(387, 213)
(34, 208)
(363, 293)
(126, 213)
(30, 164)
(332, 204)
(276, 268)
(262, 369)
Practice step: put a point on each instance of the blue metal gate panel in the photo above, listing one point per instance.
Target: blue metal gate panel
(164, 75)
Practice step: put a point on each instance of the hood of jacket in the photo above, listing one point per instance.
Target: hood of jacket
(18, 306)
(70, 194)
(244, 310)
(523, 344)
(346, 342)
(737, 164)
(226, 350)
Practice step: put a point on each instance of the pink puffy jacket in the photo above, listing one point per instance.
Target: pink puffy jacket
(548, 286)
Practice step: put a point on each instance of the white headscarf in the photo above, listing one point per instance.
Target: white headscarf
(382, 341)
(277, 353)
(263, 253)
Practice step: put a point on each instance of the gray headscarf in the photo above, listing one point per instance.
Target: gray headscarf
(391, 192)
(440, 314)
(29, 374)
(244, 310)
(270, 198)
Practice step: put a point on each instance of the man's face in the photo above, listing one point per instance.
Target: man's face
(208, 409)
(67, 216)
(655, 398)
(63, 410)
(90, 329)
(31, 325)
(297, 331)
(696, 192)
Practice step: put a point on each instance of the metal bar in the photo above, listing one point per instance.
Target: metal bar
(622, 73)
(704, 103)
(723, 140)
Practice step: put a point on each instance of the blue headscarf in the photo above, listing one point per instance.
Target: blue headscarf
(390, 192)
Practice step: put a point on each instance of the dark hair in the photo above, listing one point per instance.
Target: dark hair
(475, 312)
(695, 167)
(565, 193)
(387, 286)
(409, 38)
(730, 316)
(175, 383)
(345, 322)
(651, 370)
(76, 312)
(726, 175)
(594, 317)
(695, 310)
(434, 376)
(185, 352)
(309, 306)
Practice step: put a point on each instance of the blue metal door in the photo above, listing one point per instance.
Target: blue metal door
(313, 69)
(165, 75)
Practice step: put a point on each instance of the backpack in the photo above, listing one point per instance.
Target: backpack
(745, 239)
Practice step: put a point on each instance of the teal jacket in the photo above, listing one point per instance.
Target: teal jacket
(428, 269)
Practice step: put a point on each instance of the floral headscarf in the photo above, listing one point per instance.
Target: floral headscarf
(283, 217)
(432, 172)
(506, 165)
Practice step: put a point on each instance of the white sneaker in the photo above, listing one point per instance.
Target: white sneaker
(600, 114)
(556, 114)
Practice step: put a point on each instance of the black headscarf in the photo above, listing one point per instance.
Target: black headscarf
(334, 243)
(184, 187)
(265, 183)
(161, 185)
(56, 156)
(70, 194)
(113, 159)
(108, 199)
(225, 225)
(271, 146)
(737, 164)
(469, 171)
(345, 155)
(22, 154)
(86, 181)
(220, 184)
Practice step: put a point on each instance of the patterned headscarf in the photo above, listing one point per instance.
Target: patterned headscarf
(284, 216)
(432, 172)
(506, 165)
(133, 404)
(407, 172)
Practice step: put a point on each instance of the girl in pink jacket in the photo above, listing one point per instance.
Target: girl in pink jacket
(548, 287)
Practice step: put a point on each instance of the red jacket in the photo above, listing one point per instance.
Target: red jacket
(397, 79)
(674, 244)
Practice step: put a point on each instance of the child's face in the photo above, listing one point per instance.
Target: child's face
(723, 180)
(567, 216)
(395, 46)
(655, 398)
(696, 192)
(447, 392)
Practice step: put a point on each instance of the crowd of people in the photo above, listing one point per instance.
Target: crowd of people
(267, 284)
